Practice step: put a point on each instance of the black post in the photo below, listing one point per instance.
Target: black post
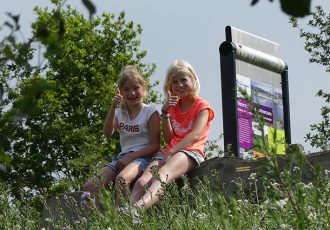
(286, 106)
(229, 97)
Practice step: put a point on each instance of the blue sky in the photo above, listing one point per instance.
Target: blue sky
(193, 30)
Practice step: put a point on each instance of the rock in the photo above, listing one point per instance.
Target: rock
(66, 206)
(224, 173)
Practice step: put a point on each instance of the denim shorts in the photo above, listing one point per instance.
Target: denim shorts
(141, 162)
(195, 155)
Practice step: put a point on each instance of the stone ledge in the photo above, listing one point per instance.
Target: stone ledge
(231, 169)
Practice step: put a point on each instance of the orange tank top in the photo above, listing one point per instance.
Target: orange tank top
(182, 123)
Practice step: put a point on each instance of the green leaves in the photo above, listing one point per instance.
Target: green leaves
(320, 133)
(317, 40)
(27, 103)
(51, 129)
(50, 33)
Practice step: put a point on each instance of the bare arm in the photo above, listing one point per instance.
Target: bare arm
(166, 124)
(167, 130)
(111, 123)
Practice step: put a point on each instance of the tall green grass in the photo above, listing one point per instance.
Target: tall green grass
(277, 199)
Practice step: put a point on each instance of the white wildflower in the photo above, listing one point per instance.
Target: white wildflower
(296, 168)
(264, 204)
(84, 220)
(275, 185)
(253, 176)
(327, 172)
(284, 226)
(201, 216)
(211, 202)
(30, 221)
(306, 186)
(282, 202)
(312, 215)
(48, 220)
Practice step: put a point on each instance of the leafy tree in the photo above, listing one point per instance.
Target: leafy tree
(317, 43)
(52, 113)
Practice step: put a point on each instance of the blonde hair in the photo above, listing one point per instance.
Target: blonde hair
(131, 73)
(181, 67)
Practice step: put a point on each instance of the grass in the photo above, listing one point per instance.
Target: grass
(285, 203)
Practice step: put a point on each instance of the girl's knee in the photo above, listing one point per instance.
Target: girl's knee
(90, 186)
(122, 179)
(142, 182)
(163, 174)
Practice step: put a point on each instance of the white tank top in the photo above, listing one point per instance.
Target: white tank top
(134, 134)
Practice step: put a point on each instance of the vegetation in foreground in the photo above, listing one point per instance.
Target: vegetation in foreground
(284, 203)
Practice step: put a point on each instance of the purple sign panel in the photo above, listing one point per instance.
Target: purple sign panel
(244, 124)
(266, 114)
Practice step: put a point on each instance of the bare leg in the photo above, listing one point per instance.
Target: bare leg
(143, 182)
(95, 184)
(124, 179)
(176, 166)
